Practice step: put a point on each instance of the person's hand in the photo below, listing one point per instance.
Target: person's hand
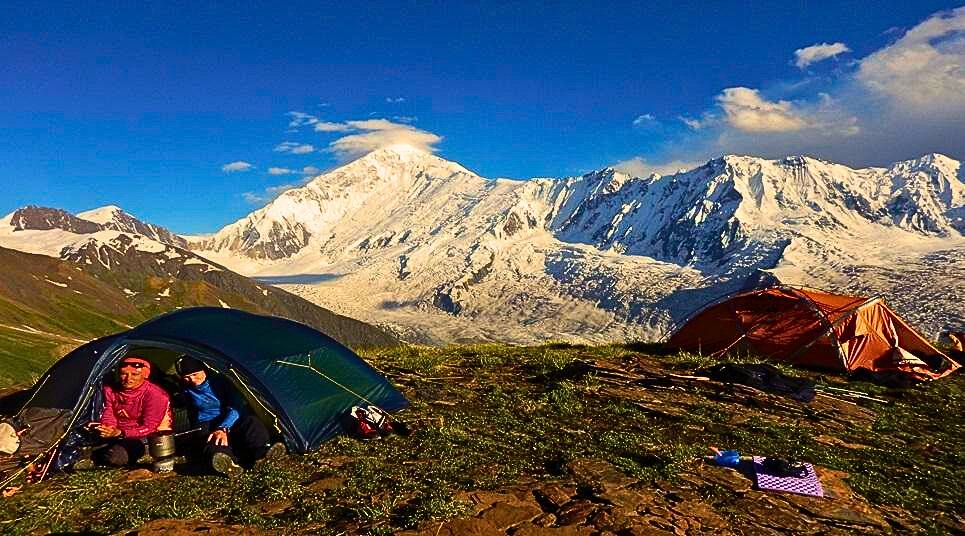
(219, 437)
(107, 431)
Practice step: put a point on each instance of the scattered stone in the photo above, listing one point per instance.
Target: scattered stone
(835, 442)
(572, 530)
(575, 513)
(728, 479)
(326, 484)
(552, 497)
(599, 473)
(630, 500)
(140, 474)
(274, 508)
(851, 512)
(192, 527)
(700, 513)
(505, 515)
(460, 527)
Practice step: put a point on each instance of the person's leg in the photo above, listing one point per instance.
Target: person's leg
(249, 438)
(221, 458)
(208, 449)
(120, 453)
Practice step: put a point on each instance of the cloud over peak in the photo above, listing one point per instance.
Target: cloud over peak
(368, 135)
(747, 111)
(640, 167)
(819, 52)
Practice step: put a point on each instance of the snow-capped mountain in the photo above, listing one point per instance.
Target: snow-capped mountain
(405, 237)
(112, 217)
(152, 275)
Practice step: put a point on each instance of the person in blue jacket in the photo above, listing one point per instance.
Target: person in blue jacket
(226, 435)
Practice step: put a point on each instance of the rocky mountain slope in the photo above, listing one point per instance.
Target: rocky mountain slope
(79, 281)
(404, 237)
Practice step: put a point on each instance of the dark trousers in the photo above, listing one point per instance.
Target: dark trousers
(120, 452)
(247, 441)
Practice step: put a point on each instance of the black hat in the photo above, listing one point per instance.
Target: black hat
(188, 365)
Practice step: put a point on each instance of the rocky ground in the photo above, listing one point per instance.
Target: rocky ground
(563, 440)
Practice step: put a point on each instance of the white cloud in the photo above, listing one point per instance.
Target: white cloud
(294, 147)
(311, 170)
(300, 119)
(237, 166)
(371, 134)
(279, 171)
(924, 70)
(395, 100)
(899, 102)
(639, 167)
(325, 126)
(706, 120)
(747, 111)
(405, 118)
(643, 119)
(815, 53)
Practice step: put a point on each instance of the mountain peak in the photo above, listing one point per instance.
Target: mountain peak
(104, 214)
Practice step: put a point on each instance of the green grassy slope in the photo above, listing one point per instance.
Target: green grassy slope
(49, 306)
(496, 423)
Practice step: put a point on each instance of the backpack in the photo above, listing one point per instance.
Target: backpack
(368, 422)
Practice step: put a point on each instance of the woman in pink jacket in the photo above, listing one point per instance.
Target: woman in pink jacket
(133, 409)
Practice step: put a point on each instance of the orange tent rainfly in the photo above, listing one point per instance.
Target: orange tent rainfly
(812, 328)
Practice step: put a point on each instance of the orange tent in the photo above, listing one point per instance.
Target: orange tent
(812, 328)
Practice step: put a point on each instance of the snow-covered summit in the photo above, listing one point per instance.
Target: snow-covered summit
(405, 230)
(102, 215)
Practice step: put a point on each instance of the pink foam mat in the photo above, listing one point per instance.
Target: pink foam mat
(805, 485)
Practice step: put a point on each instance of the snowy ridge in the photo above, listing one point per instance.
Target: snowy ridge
(404, 237)
(408, 240)
(112, 217)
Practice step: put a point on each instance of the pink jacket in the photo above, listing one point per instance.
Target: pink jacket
(137, 412)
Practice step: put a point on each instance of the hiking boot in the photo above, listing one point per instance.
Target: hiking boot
(275, 452)
(226, 465)
(84, 464)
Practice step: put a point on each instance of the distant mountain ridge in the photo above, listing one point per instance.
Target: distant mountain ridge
(403, 238)
(604, 255)
(74, 279)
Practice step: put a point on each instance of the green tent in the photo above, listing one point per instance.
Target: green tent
(296, 379)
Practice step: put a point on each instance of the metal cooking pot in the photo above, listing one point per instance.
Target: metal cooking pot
(164, 466)
(160, 445)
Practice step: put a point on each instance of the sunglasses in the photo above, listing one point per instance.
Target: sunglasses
(132, 364)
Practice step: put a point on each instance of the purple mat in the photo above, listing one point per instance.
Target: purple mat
(805, 485)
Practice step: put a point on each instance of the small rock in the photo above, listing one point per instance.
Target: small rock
(572, 530)
(274, 507)
(726, 478)
(599, 473)
(849, 512)
(575, 513)
(552, 497)
(327, 484)
(465, 527)
(505, 515)
(190, 527)
(137, 474)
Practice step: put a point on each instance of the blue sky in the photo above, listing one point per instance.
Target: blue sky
(144, 107)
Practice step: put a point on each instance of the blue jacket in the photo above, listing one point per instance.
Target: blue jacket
(212, 401)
